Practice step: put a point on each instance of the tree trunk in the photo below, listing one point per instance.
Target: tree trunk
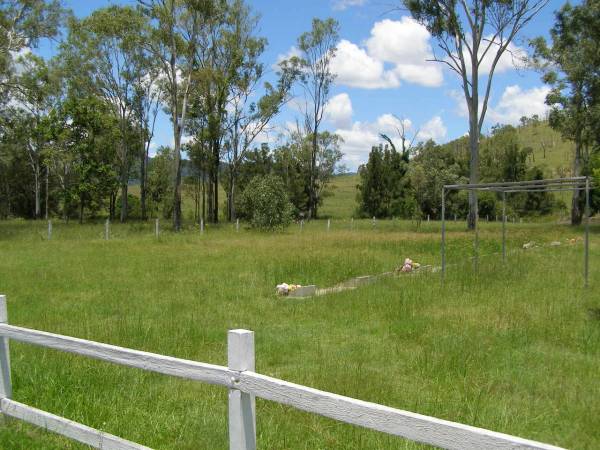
(81, 208)
(215, 169)
(473, 172)
(576, 212)
(210, 195)
(232, 211)
(47, 193)
(37, 190)
(124, 191)
(177, 187)
(312, 202)
(143, 169)
(204, 197)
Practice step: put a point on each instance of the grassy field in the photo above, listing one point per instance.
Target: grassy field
(510, 348)
(342, 202)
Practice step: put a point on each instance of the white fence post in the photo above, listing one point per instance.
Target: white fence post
(374, 220)
(202, 226)
(107, 229)
(5, 385)
(49, 229)
(237, 225)
(328, 224)
(242, 410)
(301, 225)
(156, 227)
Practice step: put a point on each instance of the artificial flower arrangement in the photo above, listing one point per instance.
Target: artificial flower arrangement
(285, 289)
(408, 266)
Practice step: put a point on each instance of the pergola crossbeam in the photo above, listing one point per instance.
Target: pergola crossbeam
(549, 185)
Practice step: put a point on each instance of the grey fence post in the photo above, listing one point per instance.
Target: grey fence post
(107, 229)
(5, 384)
(202, 226)
(237, 225)
(328, 224)
(352, 223)
(242, 410)
(49, 229)
(374, 221)
(156, 227)
(301, 225)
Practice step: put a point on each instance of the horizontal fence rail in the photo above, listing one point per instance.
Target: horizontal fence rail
(65, 427)
(244, 385)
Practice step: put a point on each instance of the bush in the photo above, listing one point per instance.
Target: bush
(134, 206)
(265, 203)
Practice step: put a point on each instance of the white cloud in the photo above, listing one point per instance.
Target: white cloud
(361, 136)
(406, 44)
(338, 111)
(433, 129)
(354, 67)
(340, 5)
(516, 103)
(512, 58)
(396, 51)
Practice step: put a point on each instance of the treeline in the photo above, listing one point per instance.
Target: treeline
(77, 129)
(409, 183)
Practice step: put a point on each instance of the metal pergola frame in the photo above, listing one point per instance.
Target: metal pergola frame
(548, 185)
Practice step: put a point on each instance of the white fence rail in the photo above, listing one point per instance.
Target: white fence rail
(244, 385)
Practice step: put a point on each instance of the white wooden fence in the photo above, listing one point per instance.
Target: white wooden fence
(244, 385)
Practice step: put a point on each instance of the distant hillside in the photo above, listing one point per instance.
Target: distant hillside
(341, 204)
(550, 151)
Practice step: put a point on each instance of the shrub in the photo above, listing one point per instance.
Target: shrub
(265, 203)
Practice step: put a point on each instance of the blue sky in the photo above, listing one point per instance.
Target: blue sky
(382, 73)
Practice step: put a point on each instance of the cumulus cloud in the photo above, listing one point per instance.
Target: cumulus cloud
(433, 129)
(405, 44)
(361, 136)
(340, 5)
(396, 51)
(516, 103)
(354, 67)
(338, 111)
(513, 57)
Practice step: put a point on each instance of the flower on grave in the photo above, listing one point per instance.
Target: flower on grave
(285, 289)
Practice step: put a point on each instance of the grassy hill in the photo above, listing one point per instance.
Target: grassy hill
(550, 151)
(341, 203)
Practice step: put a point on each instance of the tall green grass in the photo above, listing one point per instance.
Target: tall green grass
(511, 347)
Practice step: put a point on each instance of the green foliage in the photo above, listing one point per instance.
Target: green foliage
(160, 183)
(134, 207)
(265, 203)
(384, 190)
(432, 168)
